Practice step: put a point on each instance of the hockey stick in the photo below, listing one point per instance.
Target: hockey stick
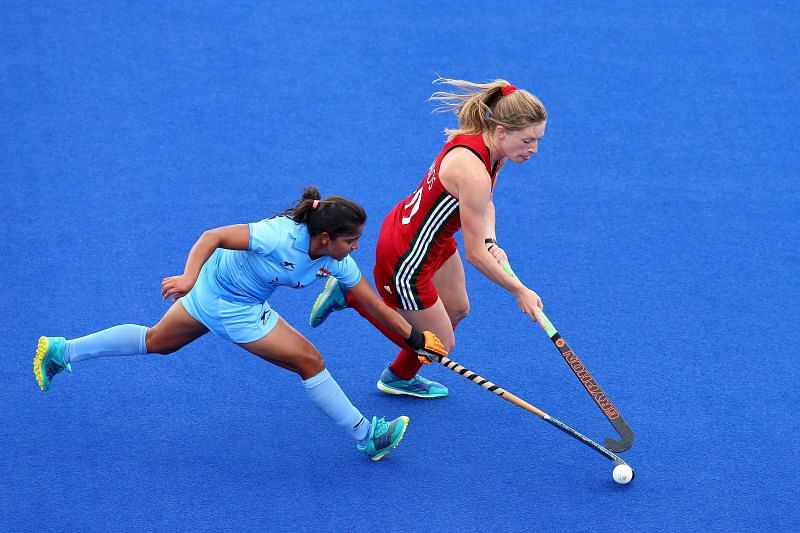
(603, 402)
(519, 402)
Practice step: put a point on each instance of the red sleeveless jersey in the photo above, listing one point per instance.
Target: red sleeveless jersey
(417, 235)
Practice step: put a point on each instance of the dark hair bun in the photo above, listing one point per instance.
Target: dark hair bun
(311, 193)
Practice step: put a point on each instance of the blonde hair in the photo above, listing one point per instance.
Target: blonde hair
(481, 107)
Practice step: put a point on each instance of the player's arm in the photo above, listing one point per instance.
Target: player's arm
(419, 341)
(236, 237)
(467, 174)
(490, 232)
(474, 196)
(490, 242)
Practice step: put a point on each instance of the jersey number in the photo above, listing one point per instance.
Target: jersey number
(416, 198)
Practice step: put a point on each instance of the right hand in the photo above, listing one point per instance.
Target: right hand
(176, 286)
(530, 304)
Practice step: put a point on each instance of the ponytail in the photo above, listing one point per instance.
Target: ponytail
(481, 107)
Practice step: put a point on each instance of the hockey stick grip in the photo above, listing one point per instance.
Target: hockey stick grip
(488, 385)
(547, 326)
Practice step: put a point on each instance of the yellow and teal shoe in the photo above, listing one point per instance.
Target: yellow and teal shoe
(417, 386)
(49, 360)
(330, 299)
(383, 436)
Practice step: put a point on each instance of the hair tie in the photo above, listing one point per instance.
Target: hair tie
(508, 89)
(315, 204)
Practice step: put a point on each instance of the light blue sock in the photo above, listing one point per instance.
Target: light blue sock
(329, 397)
(127, 339)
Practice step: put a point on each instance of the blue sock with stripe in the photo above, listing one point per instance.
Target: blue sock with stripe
(126, 339)
(326, 394)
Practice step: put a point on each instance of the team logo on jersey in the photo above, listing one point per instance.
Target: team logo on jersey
(323, 273)
(387, 289)
(431, 177)
(288, 266)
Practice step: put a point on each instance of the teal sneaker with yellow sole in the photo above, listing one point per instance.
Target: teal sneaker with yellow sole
(329, 300)
(383, 436)
(419, 387)
(49, 360)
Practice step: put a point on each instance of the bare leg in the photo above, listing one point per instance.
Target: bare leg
(451, 285)
(285, 347)
(441, 318)
(176, 329)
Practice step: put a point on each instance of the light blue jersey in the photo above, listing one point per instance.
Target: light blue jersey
(231, 294)
(277, 256)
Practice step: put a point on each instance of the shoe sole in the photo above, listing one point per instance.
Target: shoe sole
(383, 387)
(321, 298)
(41, 351)
(386, 450)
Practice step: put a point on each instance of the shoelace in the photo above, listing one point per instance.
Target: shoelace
(381, 427)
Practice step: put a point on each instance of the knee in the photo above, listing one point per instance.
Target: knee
(310, 363)
(155, 345)
(458, 313)
(450, 346)
(448, 339)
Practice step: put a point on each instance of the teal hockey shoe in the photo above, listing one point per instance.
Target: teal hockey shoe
(383, 436)
(329, 300)
(49, 360)
(417, 386)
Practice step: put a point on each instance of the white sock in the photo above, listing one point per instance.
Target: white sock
(329, 397)
(127, 339)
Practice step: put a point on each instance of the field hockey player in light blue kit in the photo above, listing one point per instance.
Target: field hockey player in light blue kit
(229, 276)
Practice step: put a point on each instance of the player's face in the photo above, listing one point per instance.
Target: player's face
(344, 245)
(520, 145)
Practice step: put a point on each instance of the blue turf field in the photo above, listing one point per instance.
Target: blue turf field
(659, 223)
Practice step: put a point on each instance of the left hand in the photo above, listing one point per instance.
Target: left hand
(176, 286)
(498, 253)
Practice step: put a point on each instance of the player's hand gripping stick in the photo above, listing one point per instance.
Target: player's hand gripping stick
(426, 344)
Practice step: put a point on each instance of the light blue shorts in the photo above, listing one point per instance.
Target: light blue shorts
(237, 322)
